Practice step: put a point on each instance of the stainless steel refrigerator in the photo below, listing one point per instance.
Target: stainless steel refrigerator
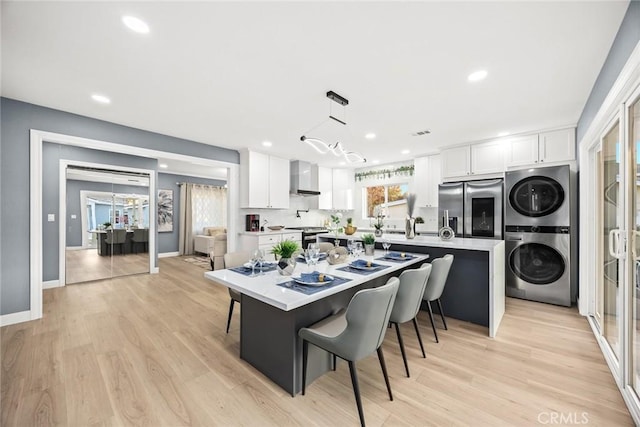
(475, 208)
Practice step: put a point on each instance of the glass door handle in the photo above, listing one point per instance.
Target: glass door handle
(614, 243)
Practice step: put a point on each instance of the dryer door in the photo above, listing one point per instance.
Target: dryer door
(537, 263)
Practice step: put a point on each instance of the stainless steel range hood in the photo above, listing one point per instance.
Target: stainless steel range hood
(304, 178)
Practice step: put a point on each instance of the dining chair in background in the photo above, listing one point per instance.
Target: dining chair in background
(354, 333)
(116, 237)
(407, 304)
(234, 259)
(435, 286)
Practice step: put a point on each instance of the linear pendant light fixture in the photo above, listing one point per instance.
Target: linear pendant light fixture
(337, 149)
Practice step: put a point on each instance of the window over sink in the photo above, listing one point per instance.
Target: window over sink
(388, 200)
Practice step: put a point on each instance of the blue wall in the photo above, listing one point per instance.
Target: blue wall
(623, 45)
(17, 119)
(168, 241)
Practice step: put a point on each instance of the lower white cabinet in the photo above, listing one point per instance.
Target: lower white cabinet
(249, 242)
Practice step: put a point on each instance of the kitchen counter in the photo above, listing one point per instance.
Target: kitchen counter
(268, 232)
(475, 289)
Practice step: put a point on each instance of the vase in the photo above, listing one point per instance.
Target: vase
(410, 228)
(369, 249)
(349, 230)
(286, 266)
(336, 243)
(378, 232)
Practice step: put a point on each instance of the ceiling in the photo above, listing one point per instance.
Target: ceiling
(235, 74)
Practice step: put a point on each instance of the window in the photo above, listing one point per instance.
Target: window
(389, 200)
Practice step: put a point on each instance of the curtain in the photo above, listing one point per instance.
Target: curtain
(185, 244)
(200, 206)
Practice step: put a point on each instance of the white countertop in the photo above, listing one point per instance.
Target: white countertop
(455, 243)
(269, 232)
(264, 288)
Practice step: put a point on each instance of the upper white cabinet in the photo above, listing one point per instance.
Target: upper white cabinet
(343, 189)
(475, 159)
(264, 181)
(546, 147)
(557, 146)
(426, 176)
(325, 186)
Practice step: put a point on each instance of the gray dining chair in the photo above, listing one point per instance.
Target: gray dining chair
(435, 286)
(354, 333)
(407, 304)
(140, 238)
(116, 237)
(234, 259)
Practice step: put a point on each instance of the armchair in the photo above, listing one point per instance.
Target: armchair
(212, 242)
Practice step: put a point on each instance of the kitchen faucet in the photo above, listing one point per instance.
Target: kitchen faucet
(298, 212)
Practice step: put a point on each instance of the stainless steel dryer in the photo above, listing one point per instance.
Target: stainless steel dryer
(538, 196)
(538, 263)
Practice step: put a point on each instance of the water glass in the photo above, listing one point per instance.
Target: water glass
(357, 249)
(307, 257)
(257, 258)
(350, 244)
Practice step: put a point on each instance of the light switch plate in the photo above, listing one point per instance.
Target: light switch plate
(73, 216)
(51, 217)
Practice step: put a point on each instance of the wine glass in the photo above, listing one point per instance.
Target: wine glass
(357, 249)
(386, 245)
(307, 257)
(259, 255)
(350, 245)
(254, 260)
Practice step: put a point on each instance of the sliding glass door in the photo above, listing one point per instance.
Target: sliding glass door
(633, 120)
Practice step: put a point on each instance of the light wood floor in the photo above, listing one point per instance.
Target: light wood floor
(151, 350)
(84, 265)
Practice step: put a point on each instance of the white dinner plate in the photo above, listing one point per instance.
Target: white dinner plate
(327, 279)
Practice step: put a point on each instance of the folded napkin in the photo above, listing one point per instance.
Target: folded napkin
(314, 277)
(398, 255)
(364, 263)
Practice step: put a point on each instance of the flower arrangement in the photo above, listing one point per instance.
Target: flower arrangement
(411, 204)
(285, 249)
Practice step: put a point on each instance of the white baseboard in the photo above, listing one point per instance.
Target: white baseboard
(155, 270)
(168, 254)
(13, 318)
(77, 248)
(51, 284)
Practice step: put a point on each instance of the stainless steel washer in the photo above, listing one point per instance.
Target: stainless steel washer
(537, 263)
(538, 196)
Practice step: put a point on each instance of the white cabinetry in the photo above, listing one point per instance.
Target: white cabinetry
(264, 181)
(343, 189)
(546, 147)
(426, 176)
(249, 242)
(325, 186)
(475, 159)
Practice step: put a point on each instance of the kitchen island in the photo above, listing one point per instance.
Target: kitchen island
(273, 311)
(475, 289)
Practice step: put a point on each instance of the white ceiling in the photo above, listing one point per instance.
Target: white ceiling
(235, 74)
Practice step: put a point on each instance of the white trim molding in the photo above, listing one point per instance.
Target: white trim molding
(36, 140)
(13, 318)
(50, 284)
(168, 254)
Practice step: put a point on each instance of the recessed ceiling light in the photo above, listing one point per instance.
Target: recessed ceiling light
(503, 134)
(370, 135)
(405, 152)
(342, 163)
(163, 165)
(375, 162)
(100, 98)
(477, 75)
(135, 24)
(267, 143)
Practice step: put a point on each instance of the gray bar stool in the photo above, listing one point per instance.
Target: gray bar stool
(234, 259)
(407, 305)
(354, 333)
(435, 286)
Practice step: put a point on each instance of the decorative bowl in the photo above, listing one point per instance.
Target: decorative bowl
(275, 227)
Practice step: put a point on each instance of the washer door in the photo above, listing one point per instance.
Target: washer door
(536, 196)
(537, 263)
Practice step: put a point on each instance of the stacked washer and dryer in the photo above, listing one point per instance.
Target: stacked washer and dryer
(540, 234)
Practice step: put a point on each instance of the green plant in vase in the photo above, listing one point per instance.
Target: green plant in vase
(285, 251)
(350, 229)
(369, 241)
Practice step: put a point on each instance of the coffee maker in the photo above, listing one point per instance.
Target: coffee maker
(253, 222)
